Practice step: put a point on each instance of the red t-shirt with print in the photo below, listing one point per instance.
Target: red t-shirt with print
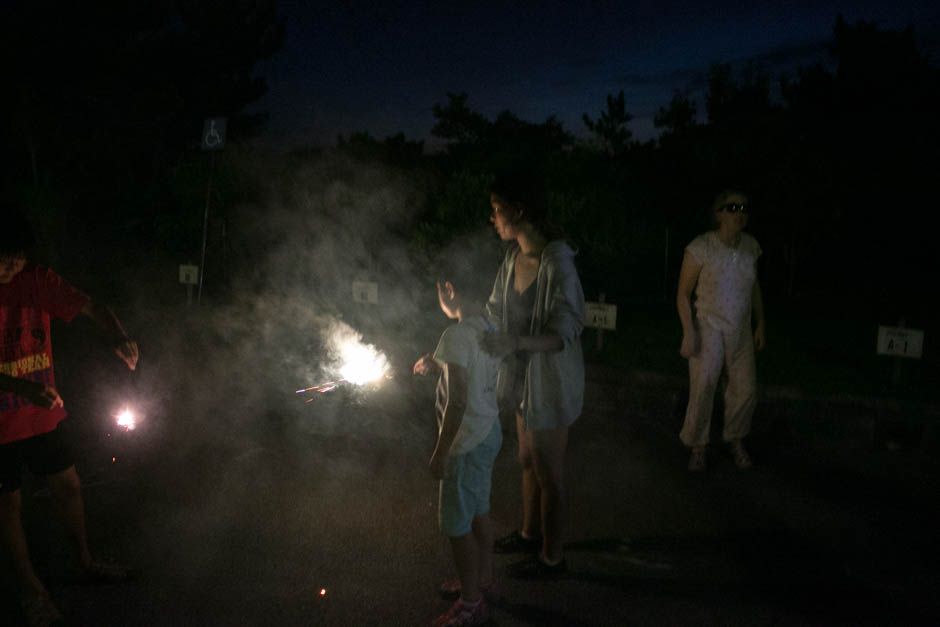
(27, 304)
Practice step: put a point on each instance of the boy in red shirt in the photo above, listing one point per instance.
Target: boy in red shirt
(31, 408)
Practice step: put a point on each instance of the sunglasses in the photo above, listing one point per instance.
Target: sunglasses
(734, 208)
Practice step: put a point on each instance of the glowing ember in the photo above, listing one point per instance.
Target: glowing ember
(322, 592)
(126, 419)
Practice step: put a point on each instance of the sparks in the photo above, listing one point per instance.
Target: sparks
(126, 419)
(319, 388)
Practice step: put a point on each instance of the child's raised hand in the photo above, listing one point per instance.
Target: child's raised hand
(127, 351)
(426, 365)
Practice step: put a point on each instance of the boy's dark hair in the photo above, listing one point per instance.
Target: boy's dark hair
(470, 283)
(16, 233)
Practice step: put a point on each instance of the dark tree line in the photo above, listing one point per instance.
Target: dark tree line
(101, 127)
(104, 104)
(839, 161)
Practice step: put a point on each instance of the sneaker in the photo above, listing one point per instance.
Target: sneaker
(515, 542)
(40, 611)
(450, 589)
(461, 614)
(741, 458)
(534, 568)
(697, 460)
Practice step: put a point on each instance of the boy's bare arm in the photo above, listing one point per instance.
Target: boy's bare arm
(455, 378)
(124, 346)
(36, 393)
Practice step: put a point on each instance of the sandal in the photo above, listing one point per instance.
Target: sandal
(105, 573)
(40, 611)
(515, 542)
(464, 614)
(697, 460)
(450, 589)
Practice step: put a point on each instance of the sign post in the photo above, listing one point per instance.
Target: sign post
(600, 316)
(900, 342)
(189, 276)
(213, 139)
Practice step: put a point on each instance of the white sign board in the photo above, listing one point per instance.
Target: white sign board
(900, 342)
(365, 292)
(189, 275)
(600, 315)
(213, 133)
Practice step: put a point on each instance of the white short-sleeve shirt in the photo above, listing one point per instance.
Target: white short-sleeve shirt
(726, 281)
(460, 345)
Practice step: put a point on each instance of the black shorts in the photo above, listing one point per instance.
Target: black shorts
(44, 454)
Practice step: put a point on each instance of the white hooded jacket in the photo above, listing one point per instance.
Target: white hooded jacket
(554, 381)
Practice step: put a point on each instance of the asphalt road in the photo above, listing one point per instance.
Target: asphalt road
(237, 511)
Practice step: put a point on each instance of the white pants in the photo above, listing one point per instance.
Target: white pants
(719, 350)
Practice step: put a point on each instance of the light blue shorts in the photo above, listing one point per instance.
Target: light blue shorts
(465, 488)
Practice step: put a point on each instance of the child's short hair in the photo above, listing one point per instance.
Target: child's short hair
(470, 282)
(16, 234)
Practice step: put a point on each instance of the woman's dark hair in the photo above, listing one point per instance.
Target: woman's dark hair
(524, 190)
(16, 234)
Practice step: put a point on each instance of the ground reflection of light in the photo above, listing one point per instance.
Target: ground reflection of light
(126, 419)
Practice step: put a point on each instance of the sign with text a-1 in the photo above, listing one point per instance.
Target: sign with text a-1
(365, 292)
(900, 342)
(600, 316)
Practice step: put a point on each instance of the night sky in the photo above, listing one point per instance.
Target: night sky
(363, 66)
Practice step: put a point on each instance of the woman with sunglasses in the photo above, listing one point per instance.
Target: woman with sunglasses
(720, 269)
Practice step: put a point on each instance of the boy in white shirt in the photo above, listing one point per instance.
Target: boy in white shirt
(468, 441)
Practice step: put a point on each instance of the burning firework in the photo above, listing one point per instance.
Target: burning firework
(127, 420)
(356, 362)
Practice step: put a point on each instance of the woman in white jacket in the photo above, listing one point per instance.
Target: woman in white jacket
(538, 305)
